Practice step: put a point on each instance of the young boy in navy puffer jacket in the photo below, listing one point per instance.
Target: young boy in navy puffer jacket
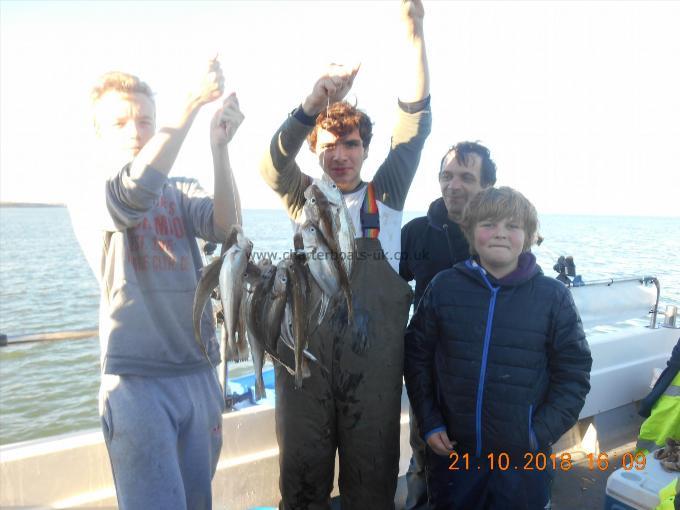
(497, 365)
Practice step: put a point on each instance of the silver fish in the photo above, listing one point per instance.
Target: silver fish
(287, 338)
(319, 211)
(342, 222)
(209, 280)
(275, 305)
(298, 294)
(319, 256)
(322, 268)
(260, 310)
(231, 280)
(254, 294)
(326, 216)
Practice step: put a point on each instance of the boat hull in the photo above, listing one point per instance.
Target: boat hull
(73, 470)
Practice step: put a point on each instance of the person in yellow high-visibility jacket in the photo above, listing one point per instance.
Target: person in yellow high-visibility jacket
(662, 408)
(667, 497)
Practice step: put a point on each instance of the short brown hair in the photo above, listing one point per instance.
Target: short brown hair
(497, 204)
(462, 152)
(341, 119)
(120, 82)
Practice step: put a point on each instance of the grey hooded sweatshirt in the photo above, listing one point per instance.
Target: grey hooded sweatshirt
(139, 237)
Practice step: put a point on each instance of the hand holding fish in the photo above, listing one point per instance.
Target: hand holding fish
(331, 87)
(225, 122)
(211, 86)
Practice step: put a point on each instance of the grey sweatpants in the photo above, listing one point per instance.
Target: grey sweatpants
(164, 436)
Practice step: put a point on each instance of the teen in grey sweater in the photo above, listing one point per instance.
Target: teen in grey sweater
(160, 402)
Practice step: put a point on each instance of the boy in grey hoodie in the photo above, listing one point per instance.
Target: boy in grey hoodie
(160, 402)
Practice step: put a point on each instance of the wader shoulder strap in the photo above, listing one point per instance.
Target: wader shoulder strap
(369, 216)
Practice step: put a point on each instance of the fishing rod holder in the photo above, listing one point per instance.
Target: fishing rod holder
(566, 268)
(671, 317)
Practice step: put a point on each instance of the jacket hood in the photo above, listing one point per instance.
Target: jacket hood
(526, 269)
(437, 215)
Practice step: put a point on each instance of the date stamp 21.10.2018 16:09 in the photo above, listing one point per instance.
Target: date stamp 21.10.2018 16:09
(539, 461)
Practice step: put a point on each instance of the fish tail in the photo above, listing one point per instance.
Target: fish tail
(350, 310)
(260, 391)
(299, 368)
(206, 284)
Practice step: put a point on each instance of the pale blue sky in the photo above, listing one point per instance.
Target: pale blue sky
(577, 101)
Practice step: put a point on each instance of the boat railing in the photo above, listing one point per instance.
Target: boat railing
(77, 334)
(608, 282)
(670, 313)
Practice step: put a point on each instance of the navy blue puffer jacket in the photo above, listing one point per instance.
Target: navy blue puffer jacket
(503, 366)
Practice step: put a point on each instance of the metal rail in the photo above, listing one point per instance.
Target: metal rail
(611, 281)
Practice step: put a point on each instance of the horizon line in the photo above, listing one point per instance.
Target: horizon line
(26, 205)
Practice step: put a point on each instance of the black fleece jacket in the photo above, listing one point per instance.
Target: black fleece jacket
(430, 244)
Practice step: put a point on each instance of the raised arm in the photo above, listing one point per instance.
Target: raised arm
(227, 203)
(278, 168)
(394, 176)
(161, 151)
(135, 189)
(416, 80)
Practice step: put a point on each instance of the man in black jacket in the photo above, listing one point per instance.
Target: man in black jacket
(435, 242)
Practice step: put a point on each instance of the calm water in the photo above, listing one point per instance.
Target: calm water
(45, 285)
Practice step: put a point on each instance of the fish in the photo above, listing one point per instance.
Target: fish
(231, 279)
(318, 210)
(342, 221)
(255, 340)
(206, 284)
(263, 296)
(234, 257)
(275, 305)
(323, 269)
(326, 217)
(287, 337)
(224, 374)
(298, 292)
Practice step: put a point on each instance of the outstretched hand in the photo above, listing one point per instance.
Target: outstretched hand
(331, 87)
(226, 121)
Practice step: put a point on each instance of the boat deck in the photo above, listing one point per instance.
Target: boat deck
(580, 488)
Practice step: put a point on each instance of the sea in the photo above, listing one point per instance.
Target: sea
(49, 388)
